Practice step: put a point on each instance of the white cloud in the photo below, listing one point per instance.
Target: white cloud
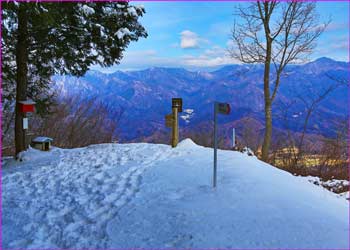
(230, 43)
(189, 40)
(150, 52)
(215, 56)
(337, 26)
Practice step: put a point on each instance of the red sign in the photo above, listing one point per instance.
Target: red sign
(26, 106)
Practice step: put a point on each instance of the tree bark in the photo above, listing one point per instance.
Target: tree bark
(22, 70)
(268, 131)
(268, 102)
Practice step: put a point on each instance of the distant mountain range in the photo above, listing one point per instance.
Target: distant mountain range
(146, 97)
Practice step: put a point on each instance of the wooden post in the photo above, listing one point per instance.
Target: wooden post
(175, 128)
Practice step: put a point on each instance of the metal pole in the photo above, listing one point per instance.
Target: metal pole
(215, 145)
(175, 129)
(233, 138)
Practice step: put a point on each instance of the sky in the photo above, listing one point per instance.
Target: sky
(196, 35)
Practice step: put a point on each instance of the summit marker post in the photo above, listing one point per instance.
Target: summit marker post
(172, 120)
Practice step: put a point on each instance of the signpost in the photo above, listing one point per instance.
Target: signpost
(172, 120)
(221, 108)
(175, 128)
(176, 107)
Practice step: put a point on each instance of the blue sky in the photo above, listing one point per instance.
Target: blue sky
(195, 35)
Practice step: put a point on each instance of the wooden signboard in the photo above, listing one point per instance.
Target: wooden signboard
(177, 103)
(169, 120)
(223, 108)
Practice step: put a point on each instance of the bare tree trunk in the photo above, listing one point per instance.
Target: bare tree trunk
(268, 131)
(268, 102)
(22, 70)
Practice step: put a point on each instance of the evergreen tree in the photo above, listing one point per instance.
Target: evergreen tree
(42, 39)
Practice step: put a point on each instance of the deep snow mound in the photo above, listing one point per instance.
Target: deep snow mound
(32, 154)
(187, 144)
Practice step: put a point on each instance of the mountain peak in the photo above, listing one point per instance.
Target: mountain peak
(324, 60)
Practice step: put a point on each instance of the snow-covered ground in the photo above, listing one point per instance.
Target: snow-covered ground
(334, 185)
(149, 195)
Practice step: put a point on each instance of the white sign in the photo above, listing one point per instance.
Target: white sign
(25, 123)
(233, 138)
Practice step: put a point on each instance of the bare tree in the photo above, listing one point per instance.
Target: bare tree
(76, 123)
(335, 160)
(250, 134)
(296, 148)
(275, 34)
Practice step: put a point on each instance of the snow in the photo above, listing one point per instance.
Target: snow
(42, 139)
(132, 11)
(88, 10)
(32, 155)
(345, 195)
(188, 114)
(333, 184)
(152, 196)
(27, 102)
(140, 7)
(248, 151)
(188, 111)
(186, 144)
(44, 9)
(186, 118)
(122, 32)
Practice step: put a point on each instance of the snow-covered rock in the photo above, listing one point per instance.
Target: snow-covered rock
(187, 115)
(334, 185)
(152, 196)
(247, 151)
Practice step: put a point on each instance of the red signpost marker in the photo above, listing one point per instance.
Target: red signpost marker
(25, 107)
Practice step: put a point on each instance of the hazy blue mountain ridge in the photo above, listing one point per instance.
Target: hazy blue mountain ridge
(146, 95)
